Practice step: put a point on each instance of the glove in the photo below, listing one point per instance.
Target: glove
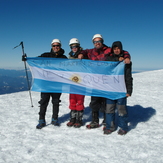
(24, 58)
(127, 60)
(80, 56)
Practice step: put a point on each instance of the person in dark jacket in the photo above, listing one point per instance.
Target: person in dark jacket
(118, 54)
(76, 101)
(56, 52)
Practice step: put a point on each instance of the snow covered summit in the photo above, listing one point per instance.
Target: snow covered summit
(22, 142)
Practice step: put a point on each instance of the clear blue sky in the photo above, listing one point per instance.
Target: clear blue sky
(137, 23)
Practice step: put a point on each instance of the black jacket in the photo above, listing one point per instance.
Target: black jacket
(128, 78)
(53, 54)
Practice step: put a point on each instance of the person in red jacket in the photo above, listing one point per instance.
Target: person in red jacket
(98, 53)
(76, 101)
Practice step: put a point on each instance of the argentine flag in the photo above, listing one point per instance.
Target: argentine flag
(75, 76)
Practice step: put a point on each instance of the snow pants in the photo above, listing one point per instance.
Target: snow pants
(97, 104)
(122, 113)
(76, 102)
(45, 97)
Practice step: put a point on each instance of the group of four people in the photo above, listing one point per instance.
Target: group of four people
(100, 52)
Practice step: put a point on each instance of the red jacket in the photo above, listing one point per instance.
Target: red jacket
(97, 54)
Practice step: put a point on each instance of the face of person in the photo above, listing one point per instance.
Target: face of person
(74, 48)
(56, 47)
(98, 43)
(116, 50)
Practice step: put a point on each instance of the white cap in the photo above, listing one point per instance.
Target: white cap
(97, 36)
(74, 41)
(56, 40)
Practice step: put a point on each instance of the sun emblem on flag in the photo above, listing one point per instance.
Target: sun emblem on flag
(75, 78)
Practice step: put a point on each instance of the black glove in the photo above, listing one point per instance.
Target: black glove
(24, 58)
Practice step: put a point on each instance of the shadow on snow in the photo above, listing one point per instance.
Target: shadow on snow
(139, 114)
(136, 114)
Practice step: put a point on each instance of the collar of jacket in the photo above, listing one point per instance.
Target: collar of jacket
(101, 49)
(75, 55)
(59, 53)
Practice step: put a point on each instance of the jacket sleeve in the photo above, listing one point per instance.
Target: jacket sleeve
(85, 53)
(47, 54)
(126, 55)
(112, 57)
(128, 78)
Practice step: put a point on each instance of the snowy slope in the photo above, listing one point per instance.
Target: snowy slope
(20, 142)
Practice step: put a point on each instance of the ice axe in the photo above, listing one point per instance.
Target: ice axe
(25, 65)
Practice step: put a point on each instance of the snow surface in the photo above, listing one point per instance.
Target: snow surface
(21, 142)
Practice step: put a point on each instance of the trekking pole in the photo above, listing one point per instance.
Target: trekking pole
(25, 65)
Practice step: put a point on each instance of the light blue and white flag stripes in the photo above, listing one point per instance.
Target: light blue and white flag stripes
(75, 76)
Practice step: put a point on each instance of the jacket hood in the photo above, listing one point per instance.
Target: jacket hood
(117, 44)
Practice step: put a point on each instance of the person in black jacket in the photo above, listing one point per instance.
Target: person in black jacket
(56, 52)
(118, 54)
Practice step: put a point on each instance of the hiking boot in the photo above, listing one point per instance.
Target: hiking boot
(79, 116)
(72, 118)
(95, 120)
(122, 132)
(104, 128)
(71, 122)
(78, 124)
(54, 122)
(93, 125)
(107, 131)
(41, 124)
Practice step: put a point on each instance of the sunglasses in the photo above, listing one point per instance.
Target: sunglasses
(95, 42)
(55, 45)
(72, 47)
